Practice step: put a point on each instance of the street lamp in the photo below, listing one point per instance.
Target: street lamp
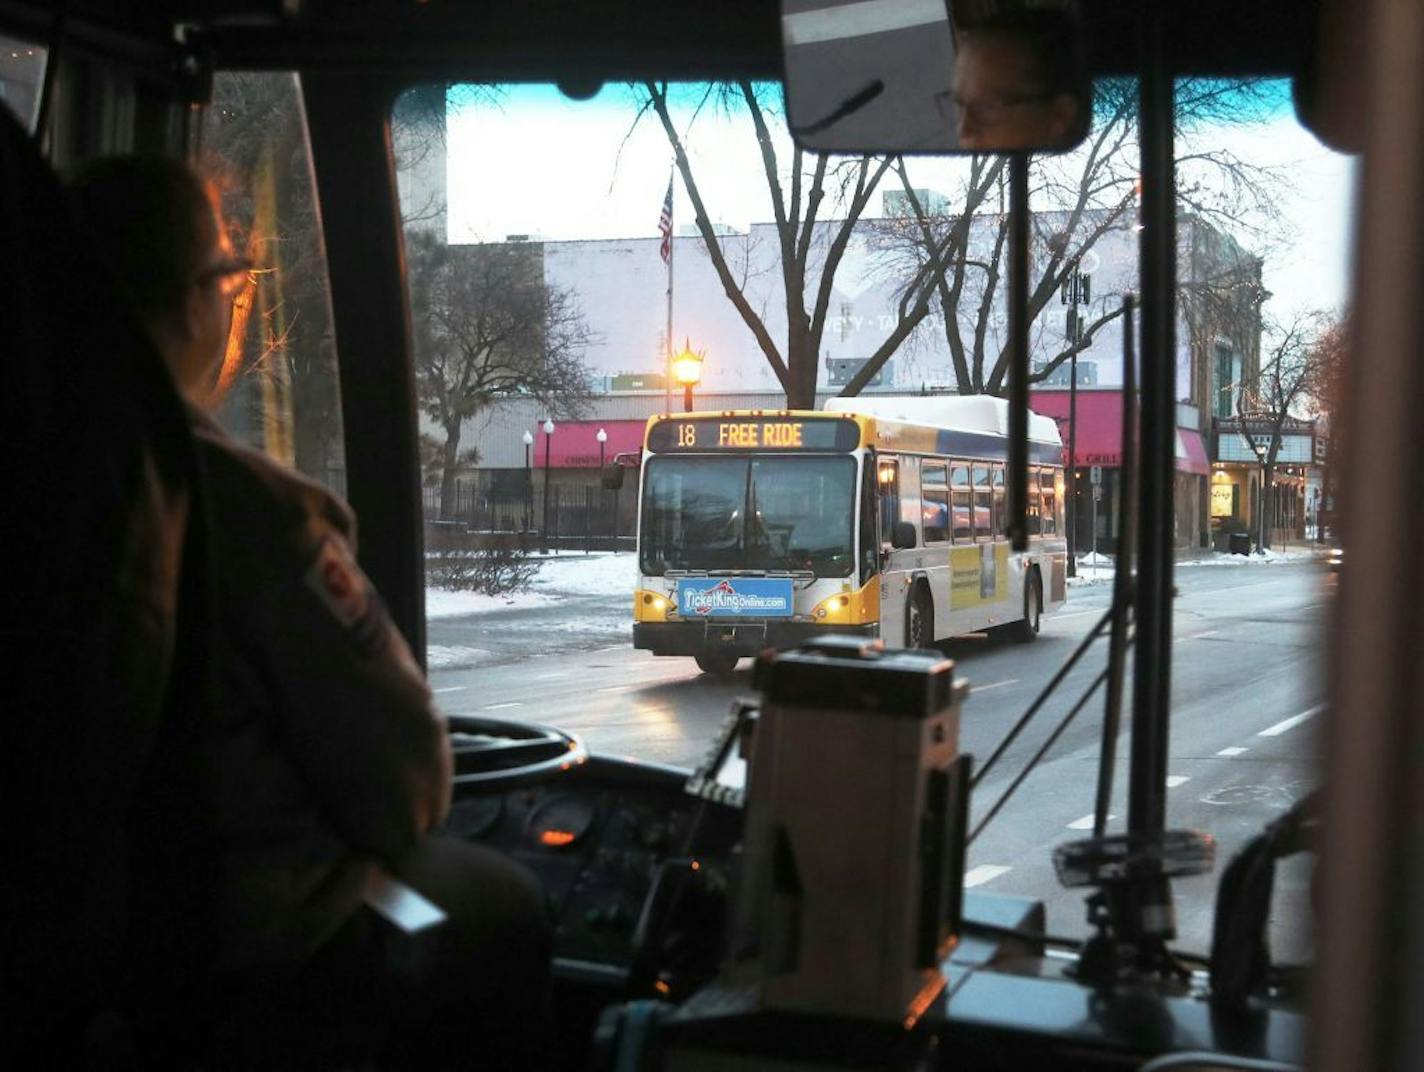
(602, 438)
(548, 451)
(687, 370)
(528, 478)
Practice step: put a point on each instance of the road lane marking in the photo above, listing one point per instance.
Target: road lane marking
(452, 688)
(617, 688)
(1290, 723)
(1174, 780)
(1232, 751)
(1086, 822)
(1199, 636)
(998, 684)
(977, 876)
(502, 706)
(551, 677)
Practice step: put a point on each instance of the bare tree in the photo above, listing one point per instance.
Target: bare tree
(486, 325)
(812, 245)
(281, 343)
(1326, 391)
(1269, 403)
(1078, 199)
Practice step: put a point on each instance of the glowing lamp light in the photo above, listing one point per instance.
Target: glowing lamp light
(687, 366)
(556, 838)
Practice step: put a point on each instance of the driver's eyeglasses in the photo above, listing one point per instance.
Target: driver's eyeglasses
(987, 110)
(231, 275)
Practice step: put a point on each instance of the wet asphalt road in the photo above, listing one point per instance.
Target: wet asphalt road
(1247, 678)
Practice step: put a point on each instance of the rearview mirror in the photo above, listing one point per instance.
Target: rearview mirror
(930, 76)
(613, 477)
(902, 535)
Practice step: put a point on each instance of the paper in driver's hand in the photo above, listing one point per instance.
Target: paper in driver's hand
(400, 904)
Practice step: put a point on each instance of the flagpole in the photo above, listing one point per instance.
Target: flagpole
(667, 371)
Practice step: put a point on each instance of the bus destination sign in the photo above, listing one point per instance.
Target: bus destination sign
(742, 432)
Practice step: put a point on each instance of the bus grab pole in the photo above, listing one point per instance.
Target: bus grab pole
(1018, 351)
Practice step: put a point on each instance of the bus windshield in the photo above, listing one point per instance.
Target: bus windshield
(749, 513)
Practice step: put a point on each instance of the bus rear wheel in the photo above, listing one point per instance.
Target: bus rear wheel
(716, 662)
(1026, 629)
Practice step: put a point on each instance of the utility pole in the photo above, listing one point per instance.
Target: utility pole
(1077, 290)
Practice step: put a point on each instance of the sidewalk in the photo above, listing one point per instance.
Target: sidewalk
(1297, 551)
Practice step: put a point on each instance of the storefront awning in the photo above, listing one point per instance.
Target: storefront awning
(575, 443)
(1100, 430)
(1099, 440)
(1191, 453)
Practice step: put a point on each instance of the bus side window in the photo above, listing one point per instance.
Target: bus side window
(1001, 517)
(1049, 511)
(983, 504)
(1033, 523)
(935, 506)
(963, 507)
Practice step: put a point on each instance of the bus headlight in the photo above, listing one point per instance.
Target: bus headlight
(835, 609)
(651, 606)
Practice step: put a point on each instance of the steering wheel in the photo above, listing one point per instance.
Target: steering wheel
(498, 753)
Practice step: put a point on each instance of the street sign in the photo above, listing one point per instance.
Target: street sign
(1097, 493)
(1095, 476)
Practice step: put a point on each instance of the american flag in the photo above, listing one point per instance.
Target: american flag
(665, 224)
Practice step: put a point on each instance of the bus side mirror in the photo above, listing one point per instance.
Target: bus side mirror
(902, 535)
(613, 477)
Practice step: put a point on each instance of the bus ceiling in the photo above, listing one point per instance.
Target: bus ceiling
(591, 39)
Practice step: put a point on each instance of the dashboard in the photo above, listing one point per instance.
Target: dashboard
(598, 836)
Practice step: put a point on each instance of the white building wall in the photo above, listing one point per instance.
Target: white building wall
(622, 285)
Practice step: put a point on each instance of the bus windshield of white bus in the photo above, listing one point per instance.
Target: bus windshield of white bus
(749, 514)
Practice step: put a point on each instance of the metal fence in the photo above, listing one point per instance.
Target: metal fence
(574, 511)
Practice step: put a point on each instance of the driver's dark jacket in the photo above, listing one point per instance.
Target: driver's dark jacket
(326, 754)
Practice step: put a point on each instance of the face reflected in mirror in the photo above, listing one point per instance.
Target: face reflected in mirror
(1016, 86)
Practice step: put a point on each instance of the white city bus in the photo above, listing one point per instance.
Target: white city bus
(879, 517)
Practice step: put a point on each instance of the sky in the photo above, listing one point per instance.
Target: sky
(587, 170)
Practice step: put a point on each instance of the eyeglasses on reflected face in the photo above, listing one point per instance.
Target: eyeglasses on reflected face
(987, 110)
(231, 275)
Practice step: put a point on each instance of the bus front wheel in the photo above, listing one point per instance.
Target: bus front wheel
(919, 620)
(719, 663)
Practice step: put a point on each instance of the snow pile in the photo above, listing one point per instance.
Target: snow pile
(609, 575)
(441, 603)
(612, 575)
(1270, 557)
(446, 656)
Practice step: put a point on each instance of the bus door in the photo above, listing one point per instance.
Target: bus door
(890, 478)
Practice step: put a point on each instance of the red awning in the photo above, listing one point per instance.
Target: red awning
(575, 443)
(1100, 430)
(1099, 424)
(1191, 453)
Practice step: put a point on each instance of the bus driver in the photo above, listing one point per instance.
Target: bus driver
(322, 761)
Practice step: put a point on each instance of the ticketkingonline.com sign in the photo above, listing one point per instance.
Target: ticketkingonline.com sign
(754, 596)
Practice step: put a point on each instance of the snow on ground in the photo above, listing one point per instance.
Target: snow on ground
(1269, 557)
(1096, 569)
(608, 574)
(447, 656)
(442, 603)
(560, 575)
